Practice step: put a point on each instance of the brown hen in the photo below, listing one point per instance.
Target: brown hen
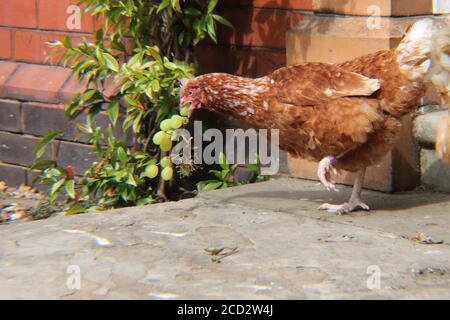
(345, 115)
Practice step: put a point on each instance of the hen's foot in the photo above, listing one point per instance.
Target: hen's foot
(344, 208)
(325, 171)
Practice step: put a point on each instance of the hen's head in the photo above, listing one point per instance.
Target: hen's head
(193, 92)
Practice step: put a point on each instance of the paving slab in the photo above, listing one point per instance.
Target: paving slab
(280, 247)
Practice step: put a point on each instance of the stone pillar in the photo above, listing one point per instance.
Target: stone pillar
(342, 30)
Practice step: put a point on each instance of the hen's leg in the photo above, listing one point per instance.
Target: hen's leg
(325, 171)
(355, 203)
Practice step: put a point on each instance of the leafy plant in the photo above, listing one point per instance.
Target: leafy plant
(131, 70)
(225, 177)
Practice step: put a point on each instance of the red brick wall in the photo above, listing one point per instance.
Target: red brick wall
(257, 45)
(33, 93)
(26, 25)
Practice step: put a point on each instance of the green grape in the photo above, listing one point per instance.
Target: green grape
(159, 137)
(185, 120)
(166, 162)
(166, 125)
(166, 145)
(176, 121)
(151, 171)
(167, 173)
(184, 111)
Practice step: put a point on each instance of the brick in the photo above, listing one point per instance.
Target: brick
(19, 149)
(229, 60)
(14, 176)
(258, 27)
(30, 46)
(37, 83)
(336, 39)
(53, 14)
(76, 155)
(40, 119)
(6, 70)
(14, 13)
(10, 119)
(235, 2)
(268, 61)
(383, 7)
(5, 47)
(284, 4)
(72, 87)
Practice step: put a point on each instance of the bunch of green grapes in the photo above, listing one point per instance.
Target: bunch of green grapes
(163, 139)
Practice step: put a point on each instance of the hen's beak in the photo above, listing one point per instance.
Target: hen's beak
(190, 111)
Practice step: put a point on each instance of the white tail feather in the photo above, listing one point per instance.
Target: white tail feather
(440, 70)
(439, 74)
(415, 50)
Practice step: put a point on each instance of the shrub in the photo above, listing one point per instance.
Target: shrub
(142, 50)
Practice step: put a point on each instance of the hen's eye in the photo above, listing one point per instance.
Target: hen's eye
(190, 92)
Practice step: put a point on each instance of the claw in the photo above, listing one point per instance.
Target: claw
(347, 207)
(326, 170)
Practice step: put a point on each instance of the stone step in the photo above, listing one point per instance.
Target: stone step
(382, 7)
(425, 126)
(434, 173)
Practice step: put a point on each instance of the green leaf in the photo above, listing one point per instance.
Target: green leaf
(43, 164)
(67, 42)
(111, 62)
(155, 53)
(45, 141)
(223, 161)
(222, 20)
(212, 185)
(136, 59)
(55, 188)
(164, 4)
(131, 180)
(99, 55)
(113, 111)
(122, 154)
(211, 27)
(192, 12)
(75, 210)
(155, 85)
(176, 5)
(212, 5)
(89, 95)
(46, 181)
(70, 188)
(145, 201)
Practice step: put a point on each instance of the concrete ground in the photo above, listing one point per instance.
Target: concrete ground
(275, 245)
